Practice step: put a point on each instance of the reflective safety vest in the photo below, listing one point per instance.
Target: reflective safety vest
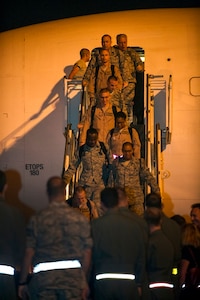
(161, 285)
(57, 265)
(7, 270)
(115, 276)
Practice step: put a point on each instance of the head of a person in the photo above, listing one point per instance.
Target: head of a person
(106, 41)
(122, 41)
(84, 52)
(56, 189)
(122, 197)
(80, 197)
(112, 83)
(3, 182)
(109, 197)
(195, 214)
(104, 55)
(127, 150)
(104, 97)
(190, 235)
(120, 120)
(180, 220)
(153, 200)
(91, 137)
(153, 216)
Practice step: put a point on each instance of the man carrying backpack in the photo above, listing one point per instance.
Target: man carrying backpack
(121, 134)
(100, 116)
(95, 165)
(100, 75)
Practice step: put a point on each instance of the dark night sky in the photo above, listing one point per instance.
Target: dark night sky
(18, 13)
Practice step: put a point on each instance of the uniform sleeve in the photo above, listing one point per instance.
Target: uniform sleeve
(31, 233)
(91, 85)
(119, 77)
(146, 176)
(91, 65)
(138, 63)
(86, 126)
(71, 170)
(136, 143)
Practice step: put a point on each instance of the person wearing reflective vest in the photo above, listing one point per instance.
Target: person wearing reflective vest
(160, 257)
(173, 232)
(118, 252)
(12, 243)
(59, 249)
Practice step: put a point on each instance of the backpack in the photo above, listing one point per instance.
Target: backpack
(114, 109)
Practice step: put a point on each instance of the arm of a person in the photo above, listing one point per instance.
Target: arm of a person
(86, 263)
(26, 267)
(138, 63)
(119, 77)
(146, 175)
(92, 63)
(136, 143)
(74, 71)
(91, 84)
(183, 270)
(71, 170)
(94, 210)
(86, 126)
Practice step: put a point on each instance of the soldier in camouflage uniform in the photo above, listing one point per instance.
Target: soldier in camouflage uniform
(59, 235)
(128, 172)
(94, 158)
(100, 75)
(121, 134)
(95, 57)
(115, 92)
(130, 63)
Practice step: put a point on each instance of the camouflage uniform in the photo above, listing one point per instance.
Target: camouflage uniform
(58, 233)
(100, 82)
(93, 165)
(128, 174)
(129, 61)
(119, 137)
(95, 61)
(116, 99)
(103, 122)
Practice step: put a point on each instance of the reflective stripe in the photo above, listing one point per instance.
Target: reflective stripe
(161, 284)
(115, 276)
(174, 271)
(63, 264)
(183, 286)
(8, 270)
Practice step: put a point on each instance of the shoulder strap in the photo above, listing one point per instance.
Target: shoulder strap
(111, 132)
(81, 149)
(114, 109)
(96, 75)
(113, 70)
(130, 129)
(90, 208)
(103, 148)
(92, 115)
